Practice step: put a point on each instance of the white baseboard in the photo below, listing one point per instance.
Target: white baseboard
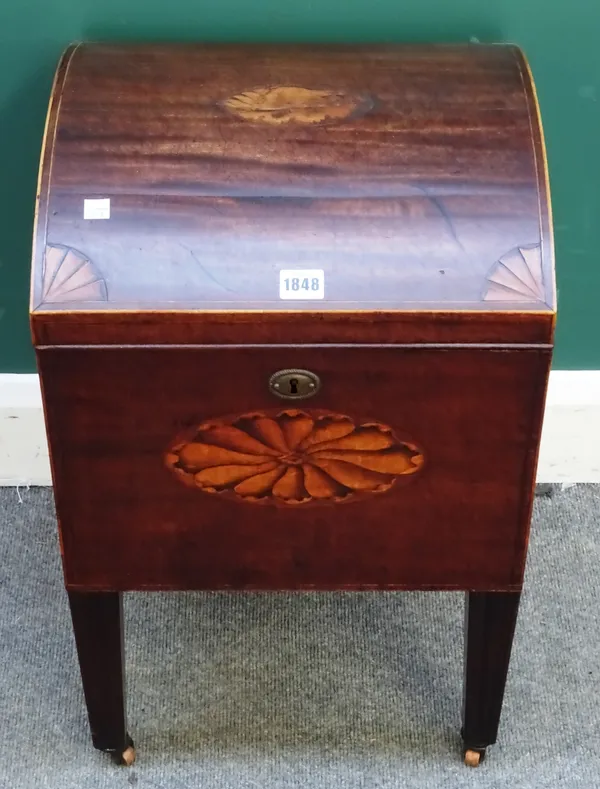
(570, 442)
(23, 448)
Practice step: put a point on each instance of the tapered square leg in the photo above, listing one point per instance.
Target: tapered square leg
(490, 619)
(98, 626)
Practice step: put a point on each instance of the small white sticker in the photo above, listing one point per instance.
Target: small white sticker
(306, 283)
(96, 208)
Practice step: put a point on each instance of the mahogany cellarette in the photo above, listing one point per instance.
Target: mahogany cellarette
(293, 309)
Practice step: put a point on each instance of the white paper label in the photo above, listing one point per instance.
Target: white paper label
(306, 283)
(96, 208)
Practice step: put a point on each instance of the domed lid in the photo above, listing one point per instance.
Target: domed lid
(304, 178)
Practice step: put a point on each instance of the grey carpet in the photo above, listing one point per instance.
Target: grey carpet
(306, 690)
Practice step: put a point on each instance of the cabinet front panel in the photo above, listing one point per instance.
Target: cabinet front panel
(180, 468)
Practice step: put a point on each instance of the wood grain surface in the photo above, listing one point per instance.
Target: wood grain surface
(413, 176)
(127, 522)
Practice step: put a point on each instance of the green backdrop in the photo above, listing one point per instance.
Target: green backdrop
(560, 38)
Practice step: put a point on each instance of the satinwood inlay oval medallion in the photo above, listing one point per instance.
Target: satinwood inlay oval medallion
(292, 457)
(293, 104)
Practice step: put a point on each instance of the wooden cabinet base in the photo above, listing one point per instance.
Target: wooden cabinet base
(98, 624)
(490, 619)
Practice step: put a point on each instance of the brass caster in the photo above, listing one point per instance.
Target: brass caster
(473, 758)
(128, 756)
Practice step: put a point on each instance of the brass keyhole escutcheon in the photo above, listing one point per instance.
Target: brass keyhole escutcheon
(294, 384)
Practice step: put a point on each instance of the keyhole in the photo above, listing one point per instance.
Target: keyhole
(294, 384)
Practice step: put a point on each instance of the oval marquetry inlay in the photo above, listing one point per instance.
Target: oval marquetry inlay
(291, 104)
(293, 457)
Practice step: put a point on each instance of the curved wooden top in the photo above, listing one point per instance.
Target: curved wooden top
(414, 177)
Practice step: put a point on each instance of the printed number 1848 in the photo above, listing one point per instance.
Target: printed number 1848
(295, 283)
(301, 284)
